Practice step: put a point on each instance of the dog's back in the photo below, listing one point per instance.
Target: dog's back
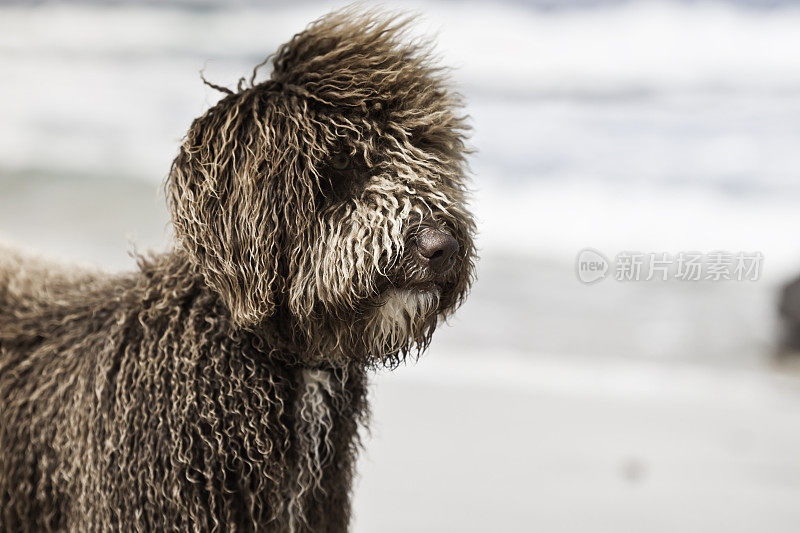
(34, 292)
(28, 282)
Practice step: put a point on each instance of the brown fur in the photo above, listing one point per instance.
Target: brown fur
(222, 385)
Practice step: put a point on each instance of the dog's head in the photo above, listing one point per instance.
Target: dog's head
(332, 196)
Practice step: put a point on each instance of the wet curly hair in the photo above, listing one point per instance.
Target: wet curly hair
(321, 230)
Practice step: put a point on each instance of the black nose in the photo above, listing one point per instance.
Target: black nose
(438, 248)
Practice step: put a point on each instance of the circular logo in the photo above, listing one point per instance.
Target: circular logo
(591, 266)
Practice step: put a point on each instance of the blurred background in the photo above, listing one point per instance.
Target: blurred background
(547, 404)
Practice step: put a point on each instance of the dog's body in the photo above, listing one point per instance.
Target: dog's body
(322, 230)
(132, 403)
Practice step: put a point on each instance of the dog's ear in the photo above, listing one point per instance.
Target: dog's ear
(228, 199)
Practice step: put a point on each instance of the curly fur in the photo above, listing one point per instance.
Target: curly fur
(221, 386)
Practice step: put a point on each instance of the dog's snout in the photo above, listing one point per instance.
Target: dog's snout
(438, 248)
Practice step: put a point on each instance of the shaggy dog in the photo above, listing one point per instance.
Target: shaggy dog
(321, 229)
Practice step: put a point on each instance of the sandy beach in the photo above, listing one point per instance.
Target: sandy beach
(495, 442)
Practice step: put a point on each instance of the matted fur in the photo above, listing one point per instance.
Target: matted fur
(221, 386)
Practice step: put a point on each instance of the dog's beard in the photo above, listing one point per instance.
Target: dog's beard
(405, 320)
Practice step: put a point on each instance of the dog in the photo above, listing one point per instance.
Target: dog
(321, 231)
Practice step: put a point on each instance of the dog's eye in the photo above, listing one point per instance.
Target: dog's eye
(341, 161)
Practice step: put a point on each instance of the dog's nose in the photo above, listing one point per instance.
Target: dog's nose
(438, 248)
